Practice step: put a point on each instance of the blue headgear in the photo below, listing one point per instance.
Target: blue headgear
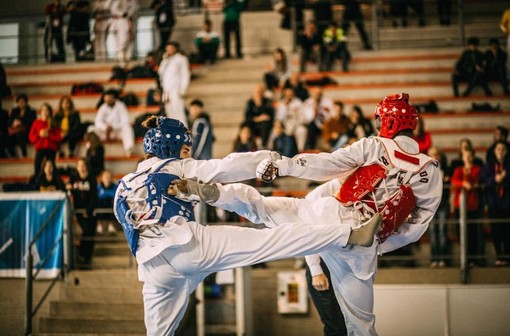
(166, 140)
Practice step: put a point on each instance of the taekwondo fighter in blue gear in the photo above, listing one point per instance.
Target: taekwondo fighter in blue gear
(173, 252)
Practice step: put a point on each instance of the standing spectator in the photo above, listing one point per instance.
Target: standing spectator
(5, 90)
(105, 194)
(283, 143)
(310, 43)
(439, 244)
(335, 47)
(55, 12)
(422, 137)
(291, 10)
(207, 42)
(359, 126)
(299, 87)
(232, 24)
(289, 110)
(464, 145)
(279, 71)
(4, 132)
(101, 14)
(469, 68)
(68, 120)
(94, 154)
(49, 178)
(174, 77)
(202, 131)
(505, 28)
(317, 110)
(112, 122)
(78, 28)
(123, 26)
(500, 135)
(322, 14)
(353, 14)
(165, 20)
(83, 187)
(495, 64)
(335, 130)
(20, 123)
(467, 178)
(444, 11)
(45, 136)
(398, 10)
(259, 115)
(498, 200)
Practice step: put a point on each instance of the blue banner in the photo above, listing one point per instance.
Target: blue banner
(23, 214)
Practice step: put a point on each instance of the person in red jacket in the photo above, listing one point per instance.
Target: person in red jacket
(422, 137)
(45, 136)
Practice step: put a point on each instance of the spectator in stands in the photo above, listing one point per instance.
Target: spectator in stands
(505, 28)
(5, 90)
(101, 14)
(202, 131)
(113, 122)
(335, 47)
(444, 11)
(207, 42)
(48, 179)
(359, 126)
(78, 28)
(335, 131)
(322, 14)
(438, 230)
(232, 24)
(353, 14)
(55, 12)
(123, 24)
(464, 145)
(289, 110)
(105, 194)
(279, 71)
(83, 187)
(500, 135)
(495, 64)
(20, 122)
(422, 137)
(4, 132)
(292, 13)
(68, 119)
(94, 154)
(259, 115)
(317, 110)
(399, 9)
(497, 188)
(469, 68)
(299, 87)
(245, 141)
(310, 42)
(165, 20)
(283, 143)
(45, 135)
(467, 177)
(174, 77)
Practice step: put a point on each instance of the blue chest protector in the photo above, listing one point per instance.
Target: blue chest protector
(162, 207)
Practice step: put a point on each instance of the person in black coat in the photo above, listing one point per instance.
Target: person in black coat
(259, 115)
(495, 64)
(20, 121)
(95, 153)
(353, 14)
(283, 143)
(165, 19)
(78, 28)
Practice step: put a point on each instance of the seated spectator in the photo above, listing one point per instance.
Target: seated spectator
(245, 141)
(497, 192)
(500, 135)
(422, 137)
(68, 119)
(45, 135)
(202, 131)
(20, 123)
(4, 132)
(289, 111)
(94, 156)
(335, 47)
(112, 122)
(259, 115)
(469, 68)
(283, 143)
(207, 42)
(317, 110)
(105, 194)
(48, 178)
(495, 64)
(279, 71)
(299, 87)
(359, 126)
(310, 43)
(335, 131)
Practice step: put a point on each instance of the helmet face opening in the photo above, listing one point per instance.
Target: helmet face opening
(166, 140)
(395, 115)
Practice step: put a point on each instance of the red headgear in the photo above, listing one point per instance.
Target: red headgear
(396, 115)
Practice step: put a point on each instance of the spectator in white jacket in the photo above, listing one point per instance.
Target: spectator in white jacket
(123, 26)
(112, 122)
(174, 77)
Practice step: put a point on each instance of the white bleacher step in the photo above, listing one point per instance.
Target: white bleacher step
(103, 278)
(114, 294)
(103, 311)
(117, 250)
(84, 325)
(124, 261)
